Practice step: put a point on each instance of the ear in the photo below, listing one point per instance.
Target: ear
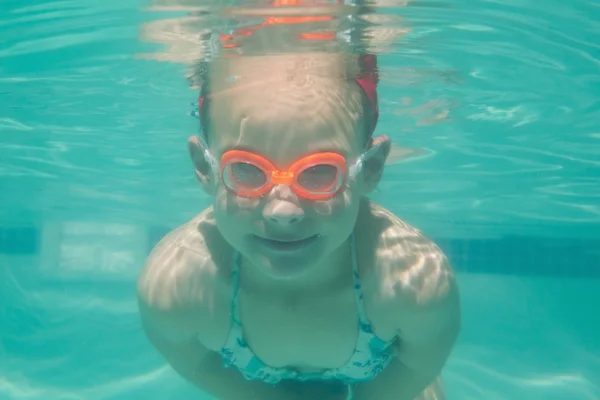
(203, 165)
(374, 162)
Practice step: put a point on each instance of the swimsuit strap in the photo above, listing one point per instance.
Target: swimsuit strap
(357, 286)
(235, 302)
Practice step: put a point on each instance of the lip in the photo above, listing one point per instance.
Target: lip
(286, 244)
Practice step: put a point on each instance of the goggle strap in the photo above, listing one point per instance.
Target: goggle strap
(356, 168)
(208, 155)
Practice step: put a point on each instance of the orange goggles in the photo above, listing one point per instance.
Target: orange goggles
(315, 177)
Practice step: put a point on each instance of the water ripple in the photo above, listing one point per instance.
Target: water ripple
(94, 97)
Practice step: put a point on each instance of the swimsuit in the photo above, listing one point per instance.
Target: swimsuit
(371, 354)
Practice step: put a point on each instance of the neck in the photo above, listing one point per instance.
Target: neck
(333, 271)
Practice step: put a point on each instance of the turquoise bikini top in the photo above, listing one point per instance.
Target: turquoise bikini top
(371, 354)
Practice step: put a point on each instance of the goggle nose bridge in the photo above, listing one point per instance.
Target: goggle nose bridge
(282, 177)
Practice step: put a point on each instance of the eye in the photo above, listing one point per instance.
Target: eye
(245, 174)
(320, 178)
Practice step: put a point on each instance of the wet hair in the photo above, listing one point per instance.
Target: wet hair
(365, 110)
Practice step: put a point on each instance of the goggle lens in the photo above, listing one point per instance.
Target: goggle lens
(248, 179)
(321, 179)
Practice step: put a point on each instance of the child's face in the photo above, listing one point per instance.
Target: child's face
(283, 232)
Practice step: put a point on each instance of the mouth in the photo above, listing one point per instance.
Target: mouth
(287, 245)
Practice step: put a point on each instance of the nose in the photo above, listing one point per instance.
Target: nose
(283, 208)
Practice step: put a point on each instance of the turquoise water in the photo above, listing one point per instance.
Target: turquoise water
(498, 101)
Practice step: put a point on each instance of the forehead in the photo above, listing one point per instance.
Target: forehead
(285, 139)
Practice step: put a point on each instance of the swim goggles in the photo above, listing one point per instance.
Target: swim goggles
(317, 176)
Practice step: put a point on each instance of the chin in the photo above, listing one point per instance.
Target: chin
(287, 275)
(285, 268)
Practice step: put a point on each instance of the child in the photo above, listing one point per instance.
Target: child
(293, 285)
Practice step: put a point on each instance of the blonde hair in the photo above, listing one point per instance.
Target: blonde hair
(272, 88)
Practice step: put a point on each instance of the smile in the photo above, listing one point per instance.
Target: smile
(285, 244)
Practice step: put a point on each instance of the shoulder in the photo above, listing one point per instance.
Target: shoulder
(181, 276)
(412, 281)
(411, 272)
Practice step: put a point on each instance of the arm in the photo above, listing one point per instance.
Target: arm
(427, 330)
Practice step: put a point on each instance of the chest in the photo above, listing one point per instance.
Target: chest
(313, 333)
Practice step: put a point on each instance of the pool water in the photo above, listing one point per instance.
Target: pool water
(496, 108)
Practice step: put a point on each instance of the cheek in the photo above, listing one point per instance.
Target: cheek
(342, 205)
(233, 210)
